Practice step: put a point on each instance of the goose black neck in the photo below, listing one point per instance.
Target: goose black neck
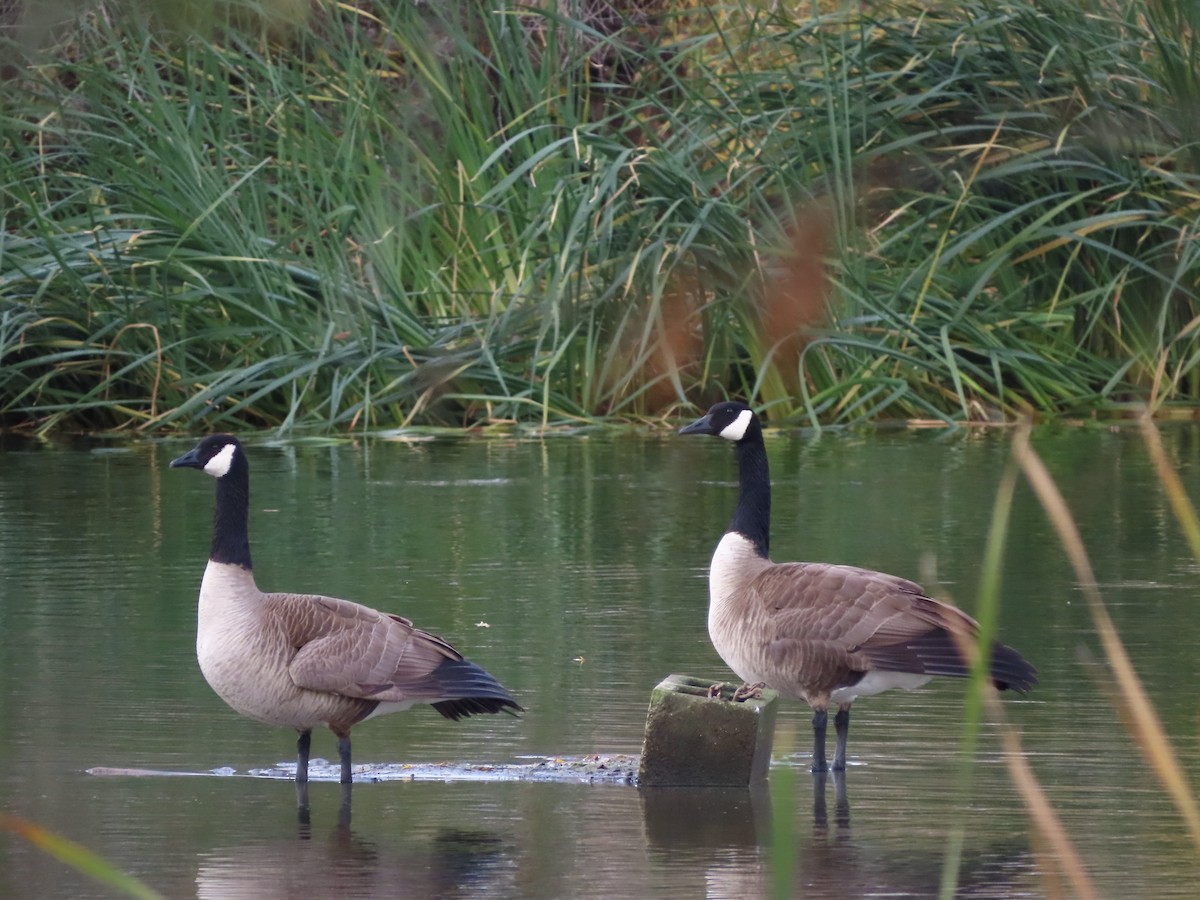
(231, 517)
(752, 516)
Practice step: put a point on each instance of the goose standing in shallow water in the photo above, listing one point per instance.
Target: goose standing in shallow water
(821, 633)
(302, 660)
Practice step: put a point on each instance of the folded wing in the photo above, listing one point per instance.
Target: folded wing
(877, 621)
(345, 648)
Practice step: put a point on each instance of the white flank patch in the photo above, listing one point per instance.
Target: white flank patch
(736, 430)
(219, 465)
(392, 706)
(876, 682)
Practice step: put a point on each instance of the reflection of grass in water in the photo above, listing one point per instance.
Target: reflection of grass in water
(783, 820)
(78, 857)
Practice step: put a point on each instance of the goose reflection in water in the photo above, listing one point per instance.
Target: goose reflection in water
(455, 863)
(727, 837)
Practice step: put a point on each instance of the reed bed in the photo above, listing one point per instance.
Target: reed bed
(383, 215)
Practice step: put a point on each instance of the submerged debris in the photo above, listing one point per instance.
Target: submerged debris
(618, 768)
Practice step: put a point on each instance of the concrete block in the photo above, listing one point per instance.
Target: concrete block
(696, 740)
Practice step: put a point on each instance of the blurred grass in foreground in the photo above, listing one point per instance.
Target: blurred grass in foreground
(77, 857)
(1063, 871)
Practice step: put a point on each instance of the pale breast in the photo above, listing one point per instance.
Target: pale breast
(244, 653)
(775, 624)
(734, 627)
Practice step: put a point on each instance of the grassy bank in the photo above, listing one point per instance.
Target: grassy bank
(378, 216)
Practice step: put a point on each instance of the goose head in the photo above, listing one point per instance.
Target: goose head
(216, 454)
(730, 419)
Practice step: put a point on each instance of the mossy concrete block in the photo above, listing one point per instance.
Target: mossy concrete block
(697, 740)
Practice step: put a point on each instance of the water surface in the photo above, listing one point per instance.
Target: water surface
(573, 568)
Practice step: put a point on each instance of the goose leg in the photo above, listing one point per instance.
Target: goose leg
(344, 755)
(841, 724)
(819, 720)
(302, 746)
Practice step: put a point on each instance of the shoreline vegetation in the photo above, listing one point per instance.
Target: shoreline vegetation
(352, 217)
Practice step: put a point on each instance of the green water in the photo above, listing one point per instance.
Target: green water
(573, 569)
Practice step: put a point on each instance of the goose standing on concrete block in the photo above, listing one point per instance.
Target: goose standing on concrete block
(821, 633)
(302, 660)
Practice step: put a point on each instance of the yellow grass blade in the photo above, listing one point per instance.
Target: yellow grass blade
(1135, 706)
(78, 857)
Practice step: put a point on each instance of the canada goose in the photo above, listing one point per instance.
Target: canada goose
(302, 660)
(818, 632)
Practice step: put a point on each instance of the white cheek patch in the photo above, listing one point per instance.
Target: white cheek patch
(219, 464)
(736, 430)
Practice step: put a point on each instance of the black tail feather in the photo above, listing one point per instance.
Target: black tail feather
(937, 653)
(470, 690)
(1010, 670)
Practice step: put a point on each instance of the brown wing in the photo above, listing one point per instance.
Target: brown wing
(877, 621)
(349, 649)
(843, 605)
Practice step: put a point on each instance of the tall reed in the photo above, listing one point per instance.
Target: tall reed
(399, 214)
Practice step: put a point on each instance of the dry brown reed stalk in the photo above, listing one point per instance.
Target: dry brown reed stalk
(1055, 851)
(796, 292)
(1180, 505)
(1058, 859)
(667, 340)
(158, 367)
(1133, 704)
